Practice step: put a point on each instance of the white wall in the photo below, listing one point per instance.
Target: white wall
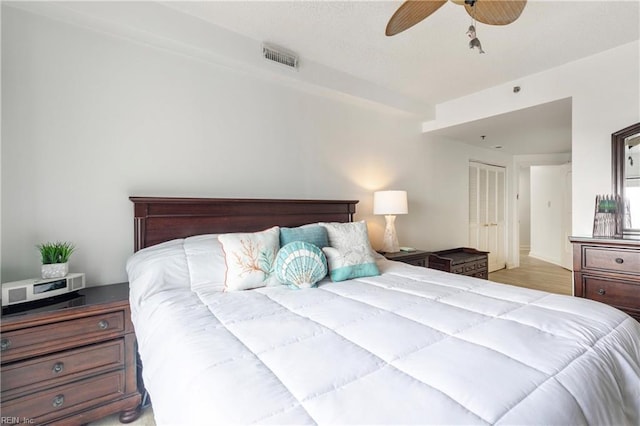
(605, 93)
(90, 119)
(547, 207)
(447, 186)
(524, 207)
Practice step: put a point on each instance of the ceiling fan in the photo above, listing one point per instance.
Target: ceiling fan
(490, 12)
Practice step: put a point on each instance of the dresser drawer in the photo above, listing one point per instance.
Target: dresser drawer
(46, 338)
(58, 401)
(62, 366)
(614, 260)
(617, 293)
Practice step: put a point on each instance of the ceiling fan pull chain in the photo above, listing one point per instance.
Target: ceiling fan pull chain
(471, 32)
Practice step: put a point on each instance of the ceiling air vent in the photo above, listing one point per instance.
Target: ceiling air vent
(280, 55)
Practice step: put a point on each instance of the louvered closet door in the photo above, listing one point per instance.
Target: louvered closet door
(487, 212)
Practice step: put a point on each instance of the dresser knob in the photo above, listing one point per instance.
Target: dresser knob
(619, 260)
(103, 325)
(601, 292)
(5, 344)
(58, 400)
(57, 367)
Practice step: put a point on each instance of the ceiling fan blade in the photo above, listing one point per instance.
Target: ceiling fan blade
(410, 13)
(496, 12)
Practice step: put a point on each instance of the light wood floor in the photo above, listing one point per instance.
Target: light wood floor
(536, 274)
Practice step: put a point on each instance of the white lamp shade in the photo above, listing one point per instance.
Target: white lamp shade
(390, 202)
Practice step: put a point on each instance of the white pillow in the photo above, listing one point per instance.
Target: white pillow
(350, 255)
(155, 269)
(250, 258)
(205, 260)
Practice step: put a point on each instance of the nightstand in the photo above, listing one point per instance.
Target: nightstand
(462, 261)
(71, 361)
(416, 257)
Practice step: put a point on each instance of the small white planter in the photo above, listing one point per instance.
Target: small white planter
(55, 270)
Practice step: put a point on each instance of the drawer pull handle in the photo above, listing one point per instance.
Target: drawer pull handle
(58, 400)
(619, 260)
(103, 325)
(57, 367)
(5, 344)
(601, 292)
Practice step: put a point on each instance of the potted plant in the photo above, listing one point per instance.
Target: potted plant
(55, 258)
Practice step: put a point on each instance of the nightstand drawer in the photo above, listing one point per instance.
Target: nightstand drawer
(46, 338)
(454, 269)
(616, 293)
(469, 267)
(57, 401)
(67, 365)
(618, 260)
(417, 262)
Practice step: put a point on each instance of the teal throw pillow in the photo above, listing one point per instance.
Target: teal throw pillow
(350, 254)
(313, 234)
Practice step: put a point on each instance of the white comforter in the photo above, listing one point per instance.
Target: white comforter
(413, 345)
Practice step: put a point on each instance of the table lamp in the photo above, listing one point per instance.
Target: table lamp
(390, 203)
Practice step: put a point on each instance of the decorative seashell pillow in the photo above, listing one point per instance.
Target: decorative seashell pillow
(300, 265)
(250, 258)
(350, 255)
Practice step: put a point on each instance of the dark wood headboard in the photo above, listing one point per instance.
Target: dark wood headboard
(159, 219)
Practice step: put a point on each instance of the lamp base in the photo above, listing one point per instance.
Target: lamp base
(390, 240)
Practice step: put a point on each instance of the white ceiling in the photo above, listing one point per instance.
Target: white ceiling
(341, 45)
(542, 129)
(430, 61)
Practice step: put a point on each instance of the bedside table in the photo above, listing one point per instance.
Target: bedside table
(72, 361)
(417, 257)
(462, 261)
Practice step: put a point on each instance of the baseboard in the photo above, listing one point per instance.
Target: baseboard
(545, 259)
(525, 247)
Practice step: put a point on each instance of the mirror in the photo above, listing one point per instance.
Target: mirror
(626, 175)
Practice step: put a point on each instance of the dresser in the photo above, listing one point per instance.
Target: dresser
(462, 261)
(415, 257)
(70, 362)
(608, 270)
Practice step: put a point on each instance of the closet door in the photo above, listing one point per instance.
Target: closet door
(487, 225)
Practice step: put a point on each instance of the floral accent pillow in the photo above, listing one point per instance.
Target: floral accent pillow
(350, 255)
(250, 259)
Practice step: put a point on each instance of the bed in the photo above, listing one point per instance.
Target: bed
(408, 346)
